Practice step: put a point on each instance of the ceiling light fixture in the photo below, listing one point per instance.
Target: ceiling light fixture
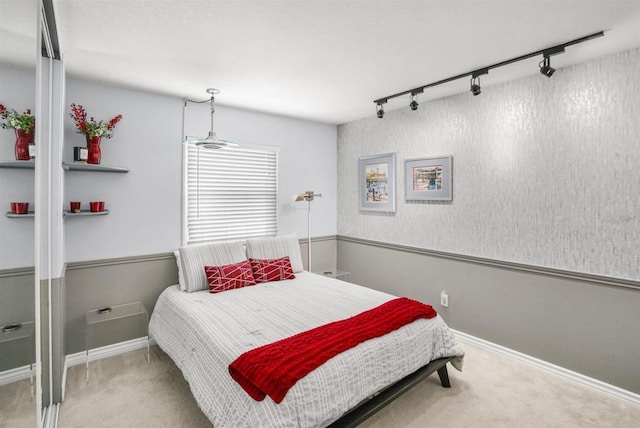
(414, 101)
(545, 64)
(545, 67)
(475, 73)
(211, 141)
(475, 81)
(475, 86)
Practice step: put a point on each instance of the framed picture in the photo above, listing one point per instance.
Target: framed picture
(377, 183)
(428, 179)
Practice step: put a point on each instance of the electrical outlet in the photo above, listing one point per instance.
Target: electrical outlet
(444, 299)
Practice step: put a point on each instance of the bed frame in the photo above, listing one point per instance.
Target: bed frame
(373, 404)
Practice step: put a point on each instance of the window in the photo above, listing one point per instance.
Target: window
(229, 194)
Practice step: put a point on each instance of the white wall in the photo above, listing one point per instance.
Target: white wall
(307, 159)
(17, 91)
(545, 171)
(144, 204)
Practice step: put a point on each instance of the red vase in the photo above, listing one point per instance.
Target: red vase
(93, 150)
(23, 139)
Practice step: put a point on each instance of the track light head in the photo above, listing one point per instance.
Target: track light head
(380, 111)
(475, 86)
(545, 67)
(414, 102)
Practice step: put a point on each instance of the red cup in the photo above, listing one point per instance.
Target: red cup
(96, 207)
(74, 207)
(19, 207)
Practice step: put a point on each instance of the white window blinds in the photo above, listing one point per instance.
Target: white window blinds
(230, 194)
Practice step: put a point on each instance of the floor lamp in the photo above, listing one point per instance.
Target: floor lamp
(308, 196)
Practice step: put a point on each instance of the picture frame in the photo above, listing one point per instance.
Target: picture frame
(428, 179)
(377, 183)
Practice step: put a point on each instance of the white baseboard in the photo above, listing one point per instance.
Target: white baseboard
(65, 367)
(15, 375)
(135, 344)
(100, 353)
(567, 374)
(105, 352)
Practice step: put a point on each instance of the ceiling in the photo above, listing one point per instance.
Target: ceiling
(326, 60)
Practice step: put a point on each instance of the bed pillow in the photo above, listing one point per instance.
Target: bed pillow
(228, 277)
(194, 258)
(180, 275)
(267, 270)
(276, 248)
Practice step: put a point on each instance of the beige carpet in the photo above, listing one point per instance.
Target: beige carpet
(491, 391)
(17, 405)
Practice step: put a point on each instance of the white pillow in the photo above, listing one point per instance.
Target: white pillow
(183, 287)
(194, 258)
(275, 248)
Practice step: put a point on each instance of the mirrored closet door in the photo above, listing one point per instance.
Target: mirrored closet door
(19, 383)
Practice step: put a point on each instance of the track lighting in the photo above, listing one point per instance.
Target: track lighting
(414, 102)
(545, 64)
(475, 86)
(475, 81)
(545, 68)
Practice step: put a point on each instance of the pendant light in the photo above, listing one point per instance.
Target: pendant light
(211, 141)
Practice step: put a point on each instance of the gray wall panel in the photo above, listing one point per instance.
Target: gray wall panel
(588, 328)
(17, 294)
(113, 282)
(323, 253)
(58, 312)
(91, 285)
(52, 313)
(45, 344)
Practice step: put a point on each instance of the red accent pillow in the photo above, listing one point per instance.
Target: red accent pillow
(228, 277)
(266, 270)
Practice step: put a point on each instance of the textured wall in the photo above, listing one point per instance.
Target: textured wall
(546, 171)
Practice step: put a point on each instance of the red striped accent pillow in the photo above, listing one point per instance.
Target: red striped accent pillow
(228, 277)
(265, 270)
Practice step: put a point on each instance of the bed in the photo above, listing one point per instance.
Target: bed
(203, 333)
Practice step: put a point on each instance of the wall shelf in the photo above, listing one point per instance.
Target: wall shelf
(81, 166)
(30, 214)
(16, 164)
(84, 213)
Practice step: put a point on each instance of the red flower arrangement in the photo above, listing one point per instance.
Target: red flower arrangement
(91, 128)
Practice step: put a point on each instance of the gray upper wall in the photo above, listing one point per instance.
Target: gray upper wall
(545, 171)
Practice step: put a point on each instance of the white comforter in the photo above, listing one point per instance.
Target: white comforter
(203, 333)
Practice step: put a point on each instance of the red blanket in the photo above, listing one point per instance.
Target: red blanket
(274, 368)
